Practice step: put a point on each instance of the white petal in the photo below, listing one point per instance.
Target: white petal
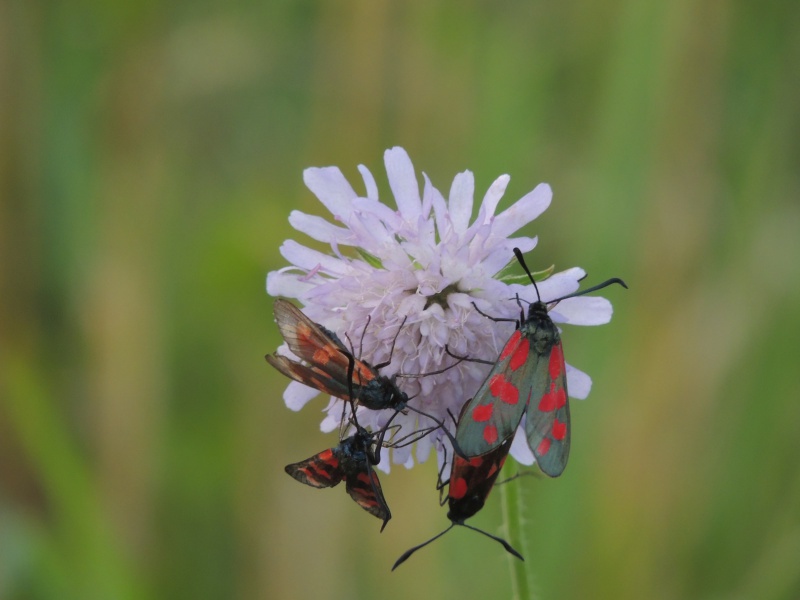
(523, 211)
(369, 182)
(560, 284)
(288, 285)
(309, 259)
(319, 229)
(401, 456)
(461, 198)
(443, 225)
(379, 210)
(403, 182)
(297, 395)
(427, 197)
(333, 418)
(504, 253)
(332, 189)
(492, 198)
(423, 449)
(583, 310)
(579, 384)
(386, 462)
(519, 447)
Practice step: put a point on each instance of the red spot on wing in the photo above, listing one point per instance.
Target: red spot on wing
(553, 400)
(511, 345)
(482, 412)
(363, 373)
(559, 430)
(520, 354)
(490, 434)
(303, 333)
(556, 364)
(322, 355)
(458, 487)
(503, 389)
(329, 458)
(543, 448)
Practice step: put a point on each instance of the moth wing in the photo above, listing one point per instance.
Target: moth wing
(319, 347)
(472, 479)
(309, 376)
(548, 423)
(364, 487)
(320, 471)
(492, 416)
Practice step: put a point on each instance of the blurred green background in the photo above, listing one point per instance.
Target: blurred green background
(150, 153)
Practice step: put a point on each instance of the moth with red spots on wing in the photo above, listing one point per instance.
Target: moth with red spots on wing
(530, 375)
(331, 368)
(352, 460)
(471, 480)
(329, 362)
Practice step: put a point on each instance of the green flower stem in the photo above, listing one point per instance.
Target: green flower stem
(511, 499)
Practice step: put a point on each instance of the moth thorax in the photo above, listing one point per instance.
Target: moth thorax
(544, 337)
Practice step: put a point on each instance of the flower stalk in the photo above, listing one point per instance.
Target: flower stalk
(513, 520)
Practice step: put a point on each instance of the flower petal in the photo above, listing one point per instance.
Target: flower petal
(403, 182)
(502, 254)
(583, 310)
(461, 198)
(401, 455)
(320, 229)
(288, 285)
(523, 211)
(296, 395)
(332, 189)
(519, 447)
(369, 182)
(492, 198)
(309, 259)
(579, 384)
(559, 284)
(379, 210)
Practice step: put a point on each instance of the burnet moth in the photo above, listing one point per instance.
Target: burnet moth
(329, 363)
(529, 375)
(471, 480)
(352, 460)
(331, 368)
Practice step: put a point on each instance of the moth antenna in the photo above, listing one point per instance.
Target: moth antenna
(521, 260)
(440, 425)
(411, 551)
(363, 333)
(594, 288)
(467, 358)
(491, 318)
(376, 456)
(351, 366)
(500, 540)
(394, 341)
(440, 371)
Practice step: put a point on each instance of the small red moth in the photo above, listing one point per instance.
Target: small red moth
(332, 368)
(471, 480)
(530, 374)
(330, 363)
(352, 460)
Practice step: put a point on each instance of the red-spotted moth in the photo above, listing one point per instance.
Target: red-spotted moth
(529, 375)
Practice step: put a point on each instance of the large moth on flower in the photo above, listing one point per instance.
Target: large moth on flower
(530, 376)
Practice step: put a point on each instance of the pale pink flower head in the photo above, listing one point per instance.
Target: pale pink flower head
(421, 265)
